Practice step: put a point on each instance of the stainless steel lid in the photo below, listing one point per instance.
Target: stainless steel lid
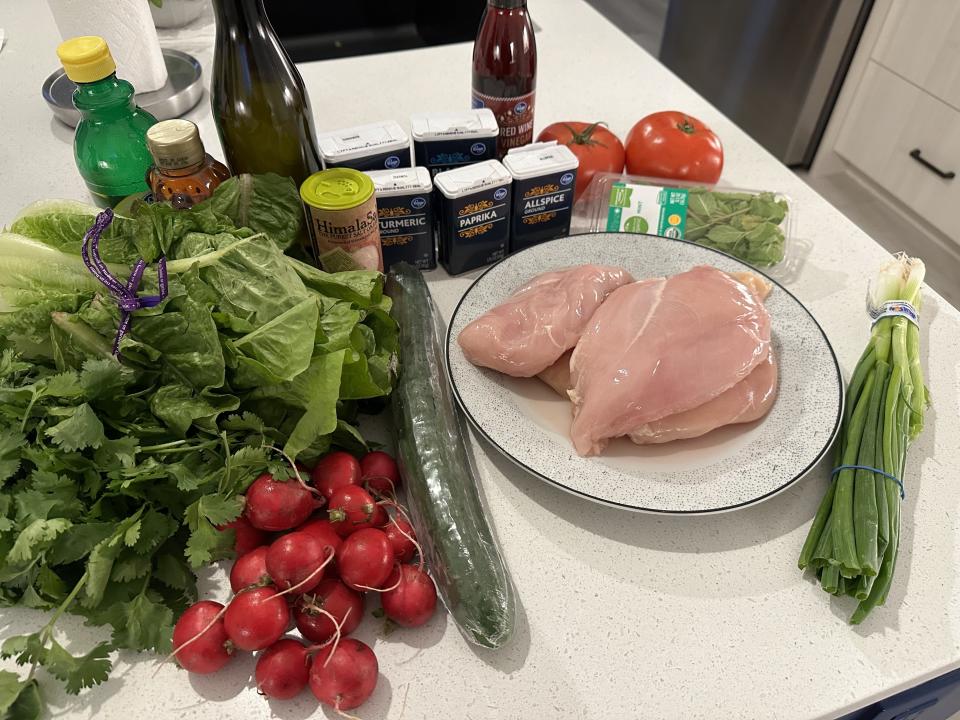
(182, 91)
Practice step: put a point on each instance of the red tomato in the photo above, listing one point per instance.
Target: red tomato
(598, 149)
(673, 145)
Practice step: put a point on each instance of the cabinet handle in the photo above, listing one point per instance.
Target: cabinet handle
(949, 175)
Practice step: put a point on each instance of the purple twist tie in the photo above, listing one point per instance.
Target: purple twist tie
(126, 295)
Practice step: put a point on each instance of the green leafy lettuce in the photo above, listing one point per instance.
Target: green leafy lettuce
(116, 475)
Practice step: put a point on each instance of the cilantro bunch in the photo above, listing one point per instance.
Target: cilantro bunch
(114, 476)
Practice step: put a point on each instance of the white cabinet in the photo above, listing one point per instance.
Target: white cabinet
(892, 129)
(920, 41)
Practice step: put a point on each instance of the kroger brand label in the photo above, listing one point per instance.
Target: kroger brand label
(474, 229)
(406, 230)
(542, 207)
(647, 209)
(440, 155)
(514, 116)
(376, 161)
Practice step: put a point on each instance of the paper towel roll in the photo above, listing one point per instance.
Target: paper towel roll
(127, 26)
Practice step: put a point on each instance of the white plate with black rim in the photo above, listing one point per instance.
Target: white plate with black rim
(731, 467)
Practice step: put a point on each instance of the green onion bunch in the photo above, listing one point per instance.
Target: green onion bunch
(853, 542)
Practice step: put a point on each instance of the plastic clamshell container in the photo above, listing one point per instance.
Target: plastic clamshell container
(375, 146)
(544, 180)
(405, 208)
(756, 226)
(448, 139)
(474, 215)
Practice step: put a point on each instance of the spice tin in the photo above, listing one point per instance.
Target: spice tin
(474, 215)
(376, 146)
(405, 209)
(544, 178)
(342, 220)
(442, 141)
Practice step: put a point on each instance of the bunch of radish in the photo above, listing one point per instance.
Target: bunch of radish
(306, 555)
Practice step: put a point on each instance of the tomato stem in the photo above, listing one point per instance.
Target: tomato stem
(585, 136)
(686, 126)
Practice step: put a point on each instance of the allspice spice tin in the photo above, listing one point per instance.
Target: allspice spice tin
(341, 212)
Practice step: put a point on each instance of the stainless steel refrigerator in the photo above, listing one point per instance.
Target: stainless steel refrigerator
(774, 67)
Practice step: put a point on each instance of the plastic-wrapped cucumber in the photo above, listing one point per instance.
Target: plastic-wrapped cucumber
(441, 484)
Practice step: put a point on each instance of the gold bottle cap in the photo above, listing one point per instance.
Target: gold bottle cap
(175, 144)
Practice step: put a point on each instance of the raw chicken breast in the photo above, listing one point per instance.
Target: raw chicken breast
(748, 400)
(660, 347)
(540, 321)
(557, 376)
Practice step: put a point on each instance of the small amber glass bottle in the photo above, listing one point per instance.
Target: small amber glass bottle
(183, 173)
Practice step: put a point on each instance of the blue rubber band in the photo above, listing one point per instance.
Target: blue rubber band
(897, 480)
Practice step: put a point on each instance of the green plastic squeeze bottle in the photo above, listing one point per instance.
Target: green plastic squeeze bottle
(110, 145)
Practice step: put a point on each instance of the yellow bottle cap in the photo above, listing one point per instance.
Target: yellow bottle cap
(337, 189)
(86, 58)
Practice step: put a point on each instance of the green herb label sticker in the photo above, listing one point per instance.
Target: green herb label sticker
(647, 209)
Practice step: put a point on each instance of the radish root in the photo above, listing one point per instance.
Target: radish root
(343, 714)
(393, 488)
(381, 590)
(411, 539)
(311, 576)
(336, 636)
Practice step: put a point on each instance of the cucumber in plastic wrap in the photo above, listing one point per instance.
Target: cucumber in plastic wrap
(441, 484)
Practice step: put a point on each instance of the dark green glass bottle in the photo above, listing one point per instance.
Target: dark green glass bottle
(259, 104)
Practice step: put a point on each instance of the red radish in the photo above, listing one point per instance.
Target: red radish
(365, 559)
(323, 531)
(344, 675)
(297, 560)
(199, 646)
(278, 504)
(379, 472)
(246, 536)
(351, 508)
(334, 471)
(335, 598)
(250, 569)
(401, 536)
(412, 602)
(256, 618)
(283, 669)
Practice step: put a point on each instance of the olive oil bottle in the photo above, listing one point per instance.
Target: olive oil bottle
(259, 104)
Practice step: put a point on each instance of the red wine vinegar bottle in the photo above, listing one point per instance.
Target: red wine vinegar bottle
(505, 70)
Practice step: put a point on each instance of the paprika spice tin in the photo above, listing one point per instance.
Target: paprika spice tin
(474, 215)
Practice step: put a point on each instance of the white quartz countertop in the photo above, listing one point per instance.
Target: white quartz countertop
(622, 615)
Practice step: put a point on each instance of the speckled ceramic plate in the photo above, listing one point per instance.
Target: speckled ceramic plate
(728, 468)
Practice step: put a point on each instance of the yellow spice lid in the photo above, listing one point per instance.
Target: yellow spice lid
(337, 189)
(86, 58)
